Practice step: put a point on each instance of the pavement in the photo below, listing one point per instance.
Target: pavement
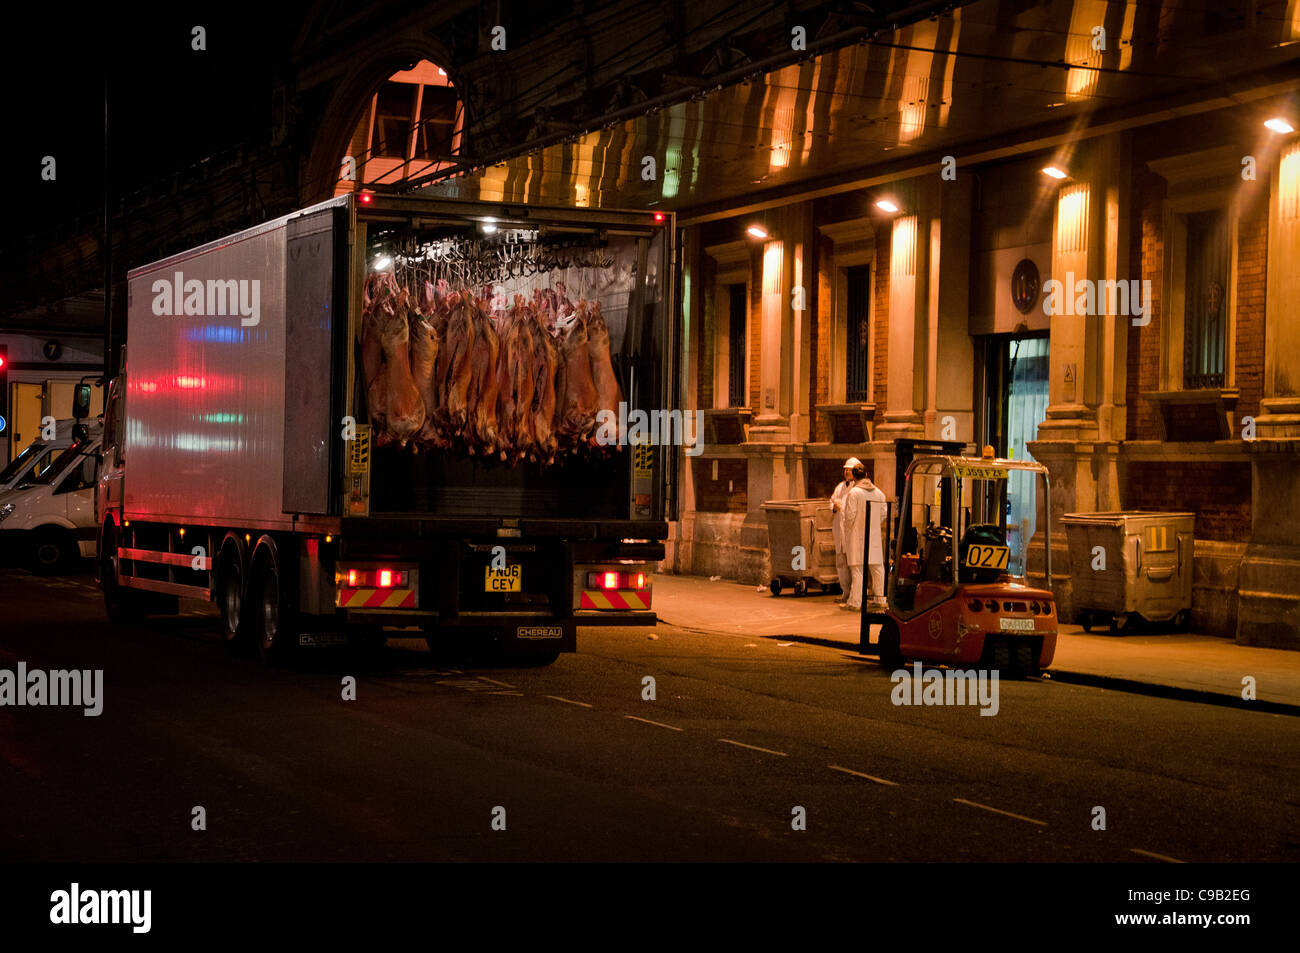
(1198, 667)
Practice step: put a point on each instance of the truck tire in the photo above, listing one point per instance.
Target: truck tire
(124, 606)
(273, 610)
(890, 645)
(54, 550)
(230, 600)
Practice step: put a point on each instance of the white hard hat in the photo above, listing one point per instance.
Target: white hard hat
(852, 462)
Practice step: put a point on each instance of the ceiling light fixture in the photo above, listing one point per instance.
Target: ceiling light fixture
(1280, 125)
(1054, 172)
(887, 205)
(756, 231)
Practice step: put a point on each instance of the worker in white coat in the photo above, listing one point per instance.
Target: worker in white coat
(875, 550)
(857, 514)
(837, 526)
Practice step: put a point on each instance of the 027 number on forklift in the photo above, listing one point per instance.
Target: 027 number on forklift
(987, 557)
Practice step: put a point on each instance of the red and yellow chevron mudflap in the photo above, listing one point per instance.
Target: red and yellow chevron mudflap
(614, 599)
(376, 598)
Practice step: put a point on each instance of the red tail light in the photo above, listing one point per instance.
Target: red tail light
(385, 579)
(352, 577)
(608, 579)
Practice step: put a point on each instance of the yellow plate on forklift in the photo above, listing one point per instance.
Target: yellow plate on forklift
(978, 473)
(987, 557)
(502, 580)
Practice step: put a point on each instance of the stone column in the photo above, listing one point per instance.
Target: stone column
(1078, 440)
(1269, 578)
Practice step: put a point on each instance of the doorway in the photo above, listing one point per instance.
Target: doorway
(1013, 403)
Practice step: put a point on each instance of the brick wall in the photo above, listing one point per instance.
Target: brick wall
(822, 330)
(1219, 494)
(1144, 342)
(1252, 267)
(880, 304)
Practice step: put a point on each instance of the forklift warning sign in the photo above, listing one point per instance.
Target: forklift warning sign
(359, 455)
(643, 460)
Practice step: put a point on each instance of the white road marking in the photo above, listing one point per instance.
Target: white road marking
(495, 682)
(659, 724)
(859, 774)
(741, 744)
(1147, 853)
(995, 810)
(568, 701)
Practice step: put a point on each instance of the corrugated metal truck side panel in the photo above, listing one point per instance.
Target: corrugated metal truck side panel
(205, 391)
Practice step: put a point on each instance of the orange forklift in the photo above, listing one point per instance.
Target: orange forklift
(956, 591)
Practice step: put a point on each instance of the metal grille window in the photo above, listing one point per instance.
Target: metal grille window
(738, 322)
(1206, 297)
(857, 313)
(394, 114)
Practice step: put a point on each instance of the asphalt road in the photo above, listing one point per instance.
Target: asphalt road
(743, 730)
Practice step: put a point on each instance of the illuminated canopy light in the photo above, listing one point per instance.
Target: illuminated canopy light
(383, 263)
(885, 205)
(756, 231)
(1054, 172)
(1280, 125)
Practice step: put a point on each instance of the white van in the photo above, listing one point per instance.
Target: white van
(49, 521)
(37, 456)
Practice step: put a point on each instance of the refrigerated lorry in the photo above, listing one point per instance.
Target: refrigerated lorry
(263, 447)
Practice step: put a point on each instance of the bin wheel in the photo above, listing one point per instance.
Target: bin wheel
(1117, 623)
(800, 588)
(1183, 621)
(1085, 620)
(775, 586)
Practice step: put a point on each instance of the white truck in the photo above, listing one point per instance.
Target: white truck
(340, 420)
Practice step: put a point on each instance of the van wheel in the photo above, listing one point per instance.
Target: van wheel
(891, 654)
(274, 616)
(53, 550)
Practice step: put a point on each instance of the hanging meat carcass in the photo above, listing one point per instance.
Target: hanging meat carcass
(577, 396)
(608, 394)
(458, 348)
(424, 352)
(403, 406)
(515, 372)
(481, 397)
(544, 404)
(378, 297)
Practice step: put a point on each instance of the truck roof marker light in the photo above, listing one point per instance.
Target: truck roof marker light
(365, 198)
(987, 453)
(182, 532)
(660, 216)
(329, 539)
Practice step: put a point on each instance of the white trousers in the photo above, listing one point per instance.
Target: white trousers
(855, 590)
(877, 571)
(842, 567)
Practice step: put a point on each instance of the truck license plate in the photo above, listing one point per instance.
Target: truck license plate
(1016, 625)
(502, 580)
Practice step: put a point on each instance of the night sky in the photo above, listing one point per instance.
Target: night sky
(169, 105)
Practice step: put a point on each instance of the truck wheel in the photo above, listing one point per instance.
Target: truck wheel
(124, 606)
(775, 587)
(230, 599)
(53, 550)
(890, 645)
(273, 613)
